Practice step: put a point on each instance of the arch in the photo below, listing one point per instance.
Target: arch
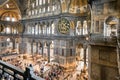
(79, 28)
(12, 28)
(85, 27)
(111, 20)
(79, 48)
(53, 27)
(110, 26)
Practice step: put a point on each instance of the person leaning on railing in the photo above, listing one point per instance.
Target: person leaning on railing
(29, 73)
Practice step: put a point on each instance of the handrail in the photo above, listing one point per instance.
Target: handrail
(17, 71)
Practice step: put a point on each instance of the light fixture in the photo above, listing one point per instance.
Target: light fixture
(8, 39)
(87, 38)
(8, 30)
(7, 6)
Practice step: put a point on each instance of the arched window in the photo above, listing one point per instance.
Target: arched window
(40, 2)
(79, 28)
(40, 10)
(53, 28)
(28, 29)
(8, 30)
(52, 44)
(43, 1)
(48, 8)
(29, 13)
(33, 29)
(15, 30)
(53, 8)
(111, 30)
(36, 29)
(43, 9)
(36, 2)
(32, 12)
(41, 28)
(110, 26)
(85, 27)
(36, 11)
(44, 29)
(33, 5)
(48, 30)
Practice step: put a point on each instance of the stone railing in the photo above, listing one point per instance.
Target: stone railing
(15, 73)
(95, 38)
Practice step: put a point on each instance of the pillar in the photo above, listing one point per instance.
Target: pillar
(85, 48)
(13, 44)
(48, 50)
(118, 59)
(82, 27)
(32, 48)
(34, 25)
(38, 28)
(37, 47)
(42, 45)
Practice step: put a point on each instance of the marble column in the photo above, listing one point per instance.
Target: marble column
(42, 45)
(48, 50)
(48, 53)
(82, 27)
(38, 28)
(37, 47)
(13, 44)
(32, 47)
(34, 25)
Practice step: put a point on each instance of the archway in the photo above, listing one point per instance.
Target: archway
(81, 56)
(110, 26)
(12, 45)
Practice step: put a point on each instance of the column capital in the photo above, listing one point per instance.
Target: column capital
(48, 43)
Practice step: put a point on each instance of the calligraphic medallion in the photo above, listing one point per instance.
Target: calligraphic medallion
(63, 26)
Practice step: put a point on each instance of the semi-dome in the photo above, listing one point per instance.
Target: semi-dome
(10, 16)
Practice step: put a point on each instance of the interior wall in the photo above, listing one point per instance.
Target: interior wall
(102, 63)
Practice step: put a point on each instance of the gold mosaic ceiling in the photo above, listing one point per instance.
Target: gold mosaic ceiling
(8, 5)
